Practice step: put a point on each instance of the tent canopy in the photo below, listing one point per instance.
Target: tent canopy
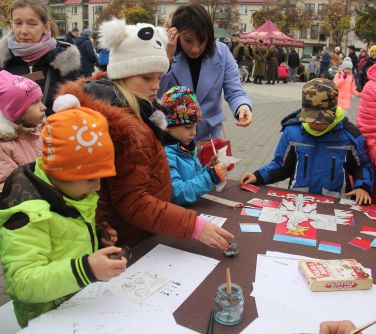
(270, 34)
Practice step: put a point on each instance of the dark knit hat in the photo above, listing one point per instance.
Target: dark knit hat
(181, 106)
(319, 101)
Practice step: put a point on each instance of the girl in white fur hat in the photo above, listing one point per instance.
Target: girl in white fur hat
(136, 201)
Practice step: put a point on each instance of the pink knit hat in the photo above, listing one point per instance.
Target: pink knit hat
(17, 94)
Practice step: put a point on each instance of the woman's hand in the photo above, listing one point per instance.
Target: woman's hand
(245, 116)
(173, 36)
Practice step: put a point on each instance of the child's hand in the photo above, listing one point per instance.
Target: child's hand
(104, 268)
(361, 196)
(215, 236)
(221, 171)
(214, 160)
(336, 327)
(247, 177)
(108, 235)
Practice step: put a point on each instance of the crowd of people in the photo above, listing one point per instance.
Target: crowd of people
(115, 160)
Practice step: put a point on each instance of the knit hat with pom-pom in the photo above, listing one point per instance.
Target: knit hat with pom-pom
(134, 49)
(76, 142)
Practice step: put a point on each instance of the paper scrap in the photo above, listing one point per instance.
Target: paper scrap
(250, 212)
(250, 188)
(330, 247)
(263, 203)
(250, 227)
(361, 243)
(347, 201)
(368, 230)
(220, 200)
(219, 221)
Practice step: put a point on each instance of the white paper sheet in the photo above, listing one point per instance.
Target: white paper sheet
(279, 296)
(219, 221)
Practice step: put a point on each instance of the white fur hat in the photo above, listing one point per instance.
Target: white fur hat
(134, 49)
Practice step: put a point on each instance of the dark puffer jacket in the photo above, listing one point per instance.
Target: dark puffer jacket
(88, 55)
(63, 61)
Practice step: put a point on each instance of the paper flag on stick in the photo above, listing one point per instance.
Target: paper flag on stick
(224, 158)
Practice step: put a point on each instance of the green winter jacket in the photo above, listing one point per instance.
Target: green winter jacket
(45, 239)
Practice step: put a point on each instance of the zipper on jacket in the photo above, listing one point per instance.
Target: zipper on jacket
(333, 168)
(90, 229)
(305, 165)
(31, 68)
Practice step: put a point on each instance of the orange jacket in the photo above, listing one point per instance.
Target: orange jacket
(136, 201)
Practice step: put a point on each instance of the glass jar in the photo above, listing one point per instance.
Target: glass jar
(229, 308)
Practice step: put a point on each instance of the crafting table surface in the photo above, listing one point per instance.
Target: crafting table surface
(194, 313)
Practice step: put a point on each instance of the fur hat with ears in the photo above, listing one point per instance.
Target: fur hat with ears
(134, 49)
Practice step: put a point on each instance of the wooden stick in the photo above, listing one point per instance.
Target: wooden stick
(228, 282)
(358, 330)
(214, 150)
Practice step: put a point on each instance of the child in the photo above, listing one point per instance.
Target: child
(189, 179)
(319, 149)
(283, 72)
(49, 249)
(366, 119)
(345, 83)
(137, 201)
(21, 113)
(313, 68)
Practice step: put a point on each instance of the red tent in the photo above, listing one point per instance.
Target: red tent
(270, 34)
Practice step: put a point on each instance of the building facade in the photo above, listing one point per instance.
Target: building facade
(82, 14)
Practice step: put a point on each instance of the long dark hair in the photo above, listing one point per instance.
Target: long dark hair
(194, 17)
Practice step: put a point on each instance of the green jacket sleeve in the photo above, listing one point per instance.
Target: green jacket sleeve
(32, 274)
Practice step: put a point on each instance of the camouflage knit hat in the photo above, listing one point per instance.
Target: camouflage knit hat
(319, 101)
(181, 106)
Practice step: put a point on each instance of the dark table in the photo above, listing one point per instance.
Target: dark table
(194, 313)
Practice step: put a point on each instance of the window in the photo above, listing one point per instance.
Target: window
(303, 33)
(310, 7)
(97, 9)
(74, 25)
(74, 10)
(242, 27)
(163, 9)
(243, 9)
(319, 11)
(314, 31)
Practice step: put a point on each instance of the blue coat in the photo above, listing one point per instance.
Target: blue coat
(188, 178)
(88, 55)
(320, 165)
(218, 72)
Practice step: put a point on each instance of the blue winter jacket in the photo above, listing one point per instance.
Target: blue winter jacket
(188, 178)
(322, 164)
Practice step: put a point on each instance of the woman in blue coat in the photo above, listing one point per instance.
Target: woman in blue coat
(206, 67)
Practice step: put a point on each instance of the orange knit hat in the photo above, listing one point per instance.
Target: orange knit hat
(76, 143)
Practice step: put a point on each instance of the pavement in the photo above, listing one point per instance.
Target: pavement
(255, 144)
